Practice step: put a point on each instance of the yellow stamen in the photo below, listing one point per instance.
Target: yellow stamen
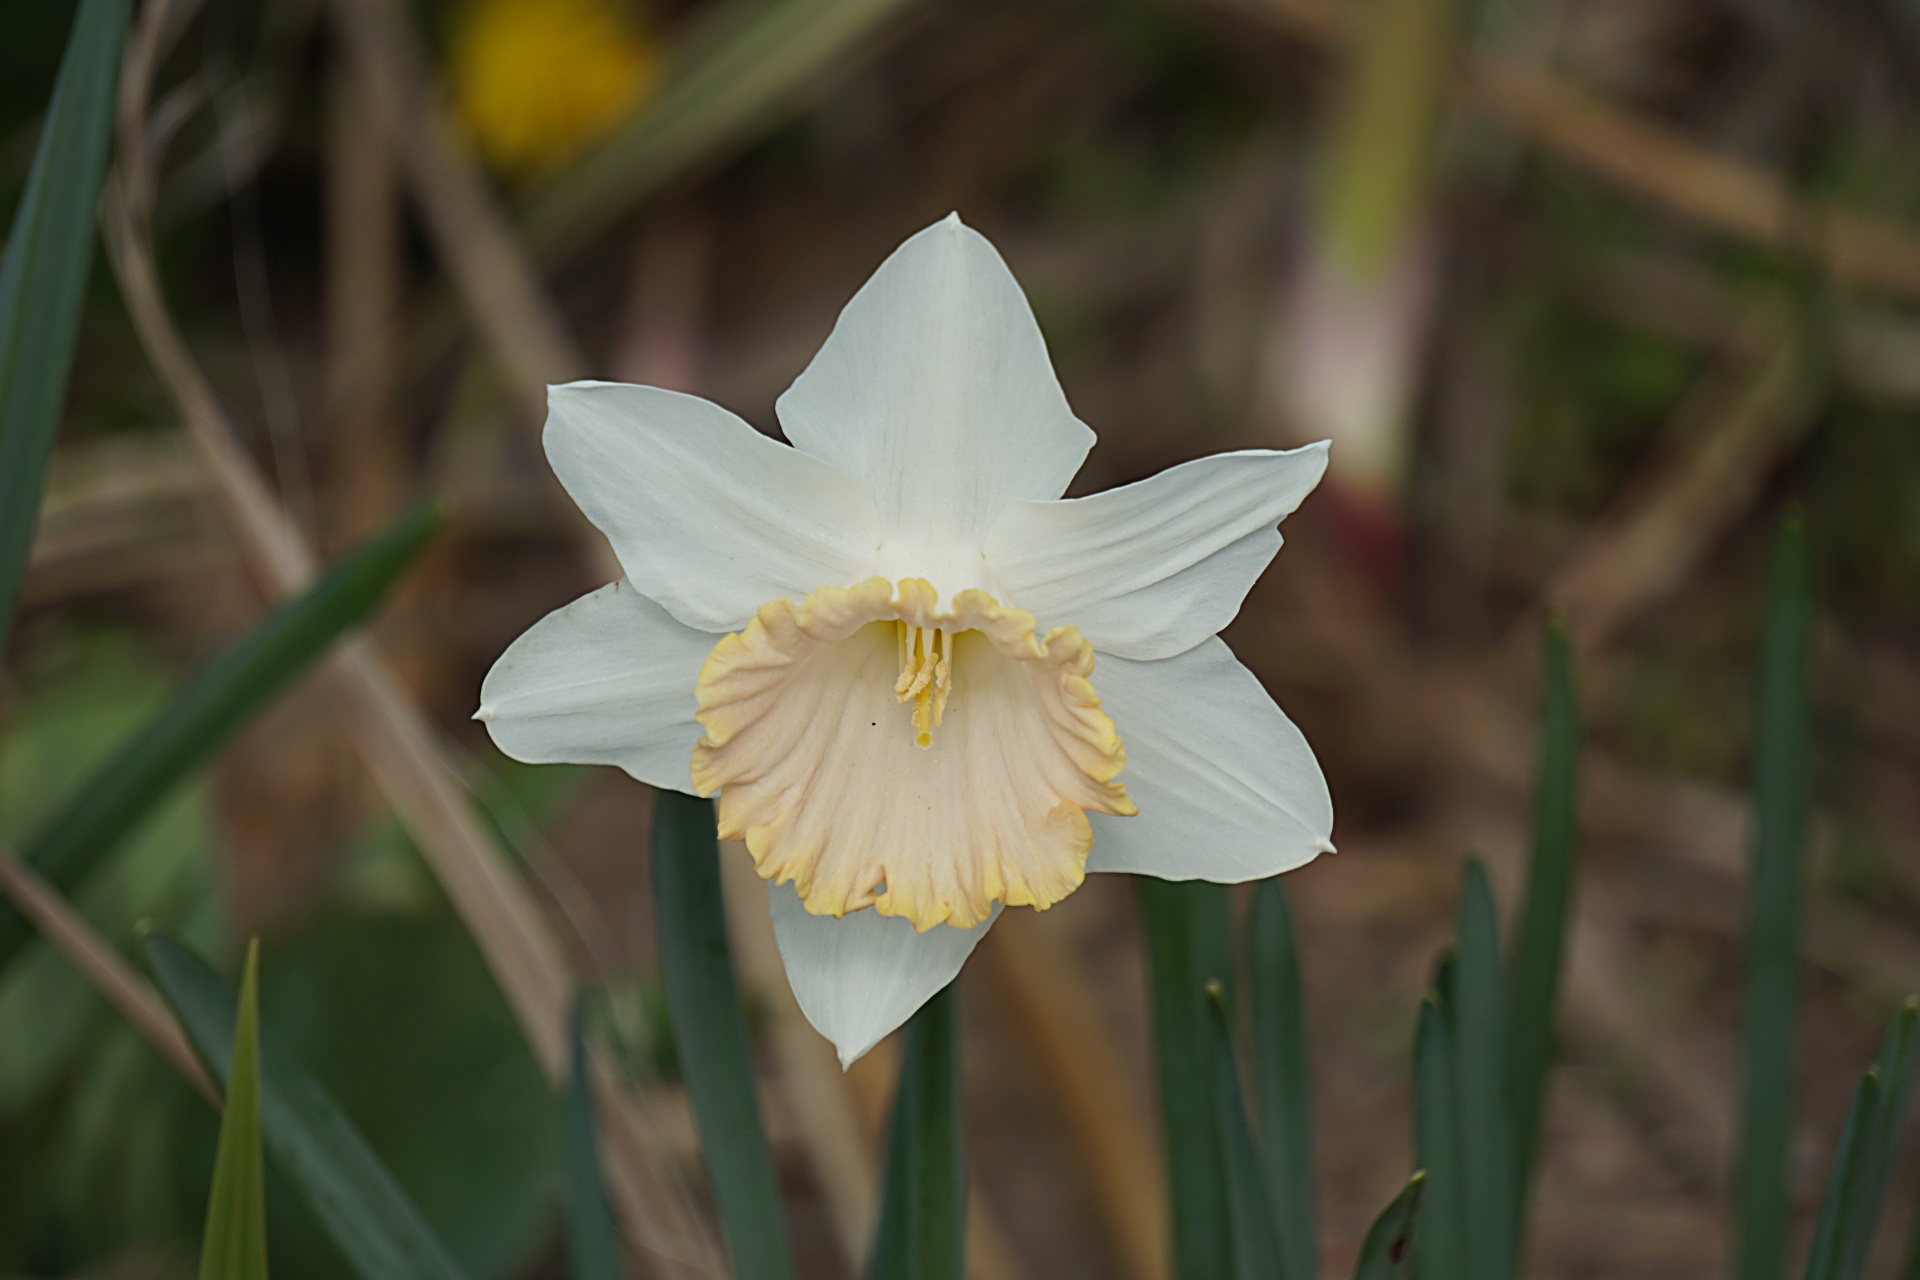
(926, 676)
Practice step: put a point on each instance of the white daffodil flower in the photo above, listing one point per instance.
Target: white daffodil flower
(843, 638)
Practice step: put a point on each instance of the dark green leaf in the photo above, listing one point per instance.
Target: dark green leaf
(1896, 1063)
(1780, 796)
(1385, 1252)
(235, 1244)
(43, 276)
(923, 1208)
(736, 72)
(363, 1209)
(593, 1243)
(1857, 1184)
(1436, 1143)
(215, 703)
(1256, 1246)
(711, 1035)
(1180, 962)
(1281, 1076)
(1478, 1024)
(1540, 947)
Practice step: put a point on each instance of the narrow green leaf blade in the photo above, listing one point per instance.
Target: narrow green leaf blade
(923, 1209)
(1256, 1246)
(43, 276)
(1863, 1162)
(234, 1246)
(1180, 962)
(1478, 1017)
(1773, 942)
(744, 64)
(1436, 1144)
(215, 703)
(697, 970)
(593, 1242)
(354, 1197)
(1540, 947)
(1844, 1180)
(1388, 1246)
(1281, 1074)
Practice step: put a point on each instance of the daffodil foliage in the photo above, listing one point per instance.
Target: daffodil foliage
(922, 684)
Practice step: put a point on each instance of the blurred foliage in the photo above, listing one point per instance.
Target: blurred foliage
(105, 1145)
(395, 1014)
(384, 998)
(1150, 162)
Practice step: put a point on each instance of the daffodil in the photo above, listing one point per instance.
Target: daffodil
(923, 686)
(534, 81)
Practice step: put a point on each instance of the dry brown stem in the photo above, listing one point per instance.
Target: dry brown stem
(363, 265)
(1663, 527)
(68, 932)
(1652, 159)
(394, 736)
(1039, 986)
(522, 327)
(838, 1115)
(808, 1076)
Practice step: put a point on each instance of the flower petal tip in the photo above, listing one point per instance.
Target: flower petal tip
(953, 220)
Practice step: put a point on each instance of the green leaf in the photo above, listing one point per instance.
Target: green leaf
(362, 1208)
(736, 72)
(1540, 947)
(1257, 1251)
(1857, 1185)
(1436, 1144)
(1386, 1250)
(1477, 1020)
(1185, 927)
(215, 703)
(593, 1242)
(697, 971)
(43, 276)
(1281, 1075)
(1780, 796)
(923, 1208)
(235, 1244)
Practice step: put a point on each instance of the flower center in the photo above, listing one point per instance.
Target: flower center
(834, 789)
(926, 676)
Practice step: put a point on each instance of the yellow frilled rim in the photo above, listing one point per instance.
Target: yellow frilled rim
(879, 751)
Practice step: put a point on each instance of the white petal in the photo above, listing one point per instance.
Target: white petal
(1152, 569)
(608, 679)
(708, 516)
(935, 388)
(1227, 787)
(860, 976)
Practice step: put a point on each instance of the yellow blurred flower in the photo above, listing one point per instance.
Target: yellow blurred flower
(536, 80)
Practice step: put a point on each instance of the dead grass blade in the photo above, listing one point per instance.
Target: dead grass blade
(1039, 986)
(1649, 158)
(522, 328)
(392, 733)
(1665, 525)
(68, 932)
(808, 1075)
(838, 1114)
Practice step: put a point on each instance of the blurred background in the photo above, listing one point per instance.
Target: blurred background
(1586, 292)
